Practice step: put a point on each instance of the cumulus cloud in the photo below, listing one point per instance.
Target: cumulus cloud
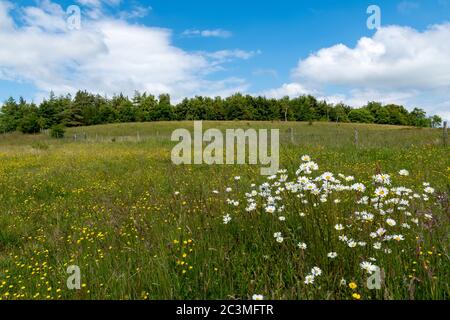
(288, 89)
(217, 33)
(394, 57)
(106, 55)
(396, 62)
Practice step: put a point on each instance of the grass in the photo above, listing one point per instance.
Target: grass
(108, 202)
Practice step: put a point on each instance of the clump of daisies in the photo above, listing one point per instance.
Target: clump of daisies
(315, 272)
(383, 214)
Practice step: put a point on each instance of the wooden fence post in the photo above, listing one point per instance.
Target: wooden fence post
(445, 134)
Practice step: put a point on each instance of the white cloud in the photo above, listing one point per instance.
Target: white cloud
(107, 56)
(227, 55)
(395, 56)
(261, 72)
(288, 89)
(407, 6)
(397, 63)
(98, 3)
(217, 33)
(136, 12)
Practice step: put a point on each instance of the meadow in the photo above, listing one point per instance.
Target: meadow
(109, 200)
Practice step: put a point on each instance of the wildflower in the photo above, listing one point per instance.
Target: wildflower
(403, 172)
(381, 192)
(257, 297)
(356, 296)
(382, 231)
(316, 271)
(237, 178)
(228, 189)
(377, 245)
(343, 282)
(339, 227)
(391, 222)
(352, 285)
(398, 237)
(327, 176)
(332, 255)
(306, 158)
(279, 239)
(309, 279)
(351, 243)
(302, 245)
(270, 209)
(429, 190)
(277, 234)
(358, 187)
(282, 218)
(369, 267)
(226, 219)
(382, 179)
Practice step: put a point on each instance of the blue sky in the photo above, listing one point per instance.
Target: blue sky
(274, 48)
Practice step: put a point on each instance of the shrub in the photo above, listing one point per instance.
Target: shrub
(29, 124)
(57, 131)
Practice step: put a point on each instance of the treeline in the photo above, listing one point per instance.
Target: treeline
(86, 109)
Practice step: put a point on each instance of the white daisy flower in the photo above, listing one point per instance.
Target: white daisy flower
(316, 271)
(391, 222)
(369, 267)
(381, 192)
(257, 297)
(306, 158)
(429, 190)
(226, 219)
(302, 245)
(332, 255)
(309, 279)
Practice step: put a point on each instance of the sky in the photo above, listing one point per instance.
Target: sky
(331, 49)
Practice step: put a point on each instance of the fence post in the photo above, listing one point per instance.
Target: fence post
(445, 134)
(356, 137)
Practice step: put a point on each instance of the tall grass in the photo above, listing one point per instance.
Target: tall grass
(141, 228)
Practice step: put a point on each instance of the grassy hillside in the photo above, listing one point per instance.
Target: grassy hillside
(108, 199)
